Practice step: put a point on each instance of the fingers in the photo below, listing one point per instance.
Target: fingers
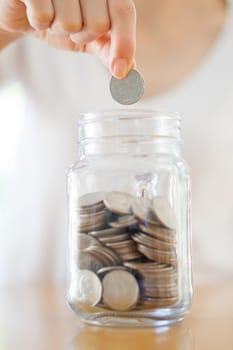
(59, 41)
(68, 17)
(40, 14)
(123, 37)
(101, 16)
(62, 16)
(96, 21)
(108, 25)
(95, 15)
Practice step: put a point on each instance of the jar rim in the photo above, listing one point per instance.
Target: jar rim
(128, 114)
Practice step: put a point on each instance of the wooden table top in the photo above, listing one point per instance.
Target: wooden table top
(37, 318)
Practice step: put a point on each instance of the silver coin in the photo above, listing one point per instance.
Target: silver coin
(92, 209)
(132, 256)
(159, 302)
(83, 241)
(85, 220)
(86, 289)
(107, 232)
(143, 265)
(163, 272)
(124, 246)
(127, 243)
(88, 223)
(159, 286)
(123, 221)
(112, 255)
(162, 295)
(160, 233)
(152, 242)
(114, 239)
(170, 255)
(164, 212)
(147, 266)
(162, 286)
(152, 254)
(142, 209)
(118, 202)
(91, 199)
(91, 227)
(127, 253)
(159, 280)
(129, 90)
(111, 268)
(88, 260)
(105, 255)
(120, 290)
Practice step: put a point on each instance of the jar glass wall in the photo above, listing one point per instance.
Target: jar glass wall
(129, 220)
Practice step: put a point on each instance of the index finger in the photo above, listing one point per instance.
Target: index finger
(123, 36)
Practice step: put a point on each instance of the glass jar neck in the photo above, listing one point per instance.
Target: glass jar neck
(135, 132)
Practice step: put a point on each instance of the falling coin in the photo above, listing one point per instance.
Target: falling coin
(129, 90)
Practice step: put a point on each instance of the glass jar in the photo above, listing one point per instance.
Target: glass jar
(129, 220)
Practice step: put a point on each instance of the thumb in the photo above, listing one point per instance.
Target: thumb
(101, 47)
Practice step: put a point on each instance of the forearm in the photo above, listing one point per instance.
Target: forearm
(7, 38)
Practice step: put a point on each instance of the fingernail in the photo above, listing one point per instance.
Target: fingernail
(120, 68)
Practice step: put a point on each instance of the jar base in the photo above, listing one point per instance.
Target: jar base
(158, 318)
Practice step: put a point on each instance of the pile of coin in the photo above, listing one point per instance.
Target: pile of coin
(129, 244)
(159, 285)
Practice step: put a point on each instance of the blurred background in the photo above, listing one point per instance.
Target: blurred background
(12, 100)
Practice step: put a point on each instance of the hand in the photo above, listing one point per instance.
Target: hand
(102, 27)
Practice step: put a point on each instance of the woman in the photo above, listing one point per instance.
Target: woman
(185, 52)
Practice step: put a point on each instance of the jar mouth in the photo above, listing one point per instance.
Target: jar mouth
(120, 129)
(128, 114)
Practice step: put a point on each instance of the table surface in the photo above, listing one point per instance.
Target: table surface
(37, 318)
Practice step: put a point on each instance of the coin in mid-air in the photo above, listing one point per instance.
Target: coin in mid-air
(129, 90)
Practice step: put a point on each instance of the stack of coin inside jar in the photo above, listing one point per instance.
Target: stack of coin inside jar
(124, 252)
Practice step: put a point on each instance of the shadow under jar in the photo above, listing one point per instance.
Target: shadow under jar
(129, 221)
